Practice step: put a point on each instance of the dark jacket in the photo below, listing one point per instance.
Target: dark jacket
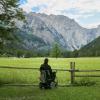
(46, 68)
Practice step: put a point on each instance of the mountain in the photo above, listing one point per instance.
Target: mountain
(91, 49)
(39, 33)
(52, 29)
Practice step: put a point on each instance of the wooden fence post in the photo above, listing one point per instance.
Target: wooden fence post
(72, 72)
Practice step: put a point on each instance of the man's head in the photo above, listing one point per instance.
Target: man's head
(46, 61)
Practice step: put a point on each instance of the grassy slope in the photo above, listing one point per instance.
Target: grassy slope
(33, 93)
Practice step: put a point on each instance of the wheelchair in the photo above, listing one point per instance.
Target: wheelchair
(47, 80)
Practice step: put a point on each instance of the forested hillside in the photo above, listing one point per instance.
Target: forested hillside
(91, 49)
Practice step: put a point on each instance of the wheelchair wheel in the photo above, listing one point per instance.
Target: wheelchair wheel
(52, 85)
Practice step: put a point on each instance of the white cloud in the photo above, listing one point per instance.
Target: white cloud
(86, 8)
(87, 5)
(53, 6)
(93, 25)
(57, 5)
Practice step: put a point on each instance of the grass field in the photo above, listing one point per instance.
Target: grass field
(16, 76)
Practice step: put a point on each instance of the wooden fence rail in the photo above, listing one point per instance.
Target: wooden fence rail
(8, 67)
(72, 71)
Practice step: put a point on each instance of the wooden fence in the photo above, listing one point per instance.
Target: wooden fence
(72, 71)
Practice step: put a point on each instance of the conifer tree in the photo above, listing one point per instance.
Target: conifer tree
(9, 11)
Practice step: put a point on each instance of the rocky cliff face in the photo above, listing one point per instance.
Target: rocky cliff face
(55, 28)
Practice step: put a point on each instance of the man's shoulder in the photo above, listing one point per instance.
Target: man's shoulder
(42, 67)
(48, 65)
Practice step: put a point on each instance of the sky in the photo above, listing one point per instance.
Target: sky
(85, 12)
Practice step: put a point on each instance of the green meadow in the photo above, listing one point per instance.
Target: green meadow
(15, 78)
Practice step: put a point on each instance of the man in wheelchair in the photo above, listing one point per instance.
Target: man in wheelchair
(47, 77)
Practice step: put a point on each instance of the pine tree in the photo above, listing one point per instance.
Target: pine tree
(56, 51)
(9, 11)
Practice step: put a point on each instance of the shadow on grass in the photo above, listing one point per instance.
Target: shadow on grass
(4, 82)
(85, 82)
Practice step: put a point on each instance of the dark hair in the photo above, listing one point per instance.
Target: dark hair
(46, 61)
